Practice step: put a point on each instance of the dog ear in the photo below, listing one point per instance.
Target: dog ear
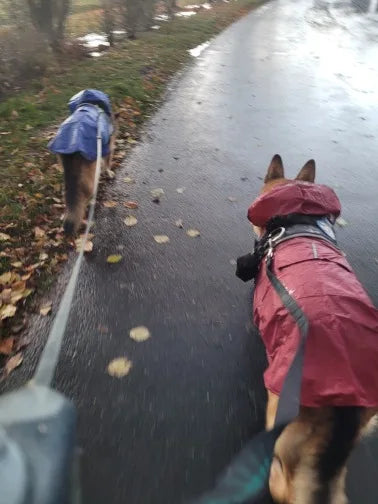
(275, 170)
(307, 174)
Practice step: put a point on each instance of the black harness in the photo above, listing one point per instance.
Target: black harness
(280, 229)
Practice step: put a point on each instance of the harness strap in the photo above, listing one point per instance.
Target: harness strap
(289, 401)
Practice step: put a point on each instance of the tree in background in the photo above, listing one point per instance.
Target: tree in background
(171, 7)
(49, 18)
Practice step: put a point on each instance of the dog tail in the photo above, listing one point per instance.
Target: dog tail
(345, 428)
(76, 192)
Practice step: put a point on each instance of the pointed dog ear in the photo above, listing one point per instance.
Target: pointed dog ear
(275, 170)
(307, 173)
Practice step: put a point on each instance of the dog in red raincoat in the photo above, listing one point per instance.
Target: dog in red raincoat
(339, 392)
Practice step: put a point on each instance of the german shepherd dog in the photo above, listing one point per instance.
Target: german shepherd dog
(76, 147)
(310, 456)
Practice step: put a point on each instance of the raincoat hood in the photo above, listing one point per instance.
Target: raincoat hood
(92, 96)
(294, 197)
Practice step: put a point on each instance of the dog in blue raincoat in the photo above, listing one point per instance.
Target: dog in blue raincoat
(76, 147)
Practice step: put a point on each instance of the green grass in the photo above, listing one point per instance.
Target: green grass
(133, 74)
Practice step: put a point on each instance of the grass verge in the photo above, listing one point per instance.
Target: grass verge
(134, 74)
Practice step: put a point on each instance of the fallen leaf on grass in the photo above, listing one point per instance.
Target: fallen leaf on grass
(7, 311)
(129, 180)
(4, 237)
(341, 222)
(114, 258)
(180, 190)
(38, 232)
(130, 221)
(13, 363)
(131, 204)
(6, 346)
(45, 309)
(5, 278)
(140, 333)
(179, 223)
(161, 238)
(110, 204)
(193, 233)
(119, 367)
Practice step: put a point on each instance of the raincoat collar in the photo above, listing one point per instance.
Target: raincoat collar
(296, 197)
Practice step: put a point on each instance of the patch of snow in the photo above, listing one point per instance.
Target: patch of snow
(95, 54)
(161, 17)
(196, 51)
(93, 40)
(155, 27)
(185, 14)
(206, 6)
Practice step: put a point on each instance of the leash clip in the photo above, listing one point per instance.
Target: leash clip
(274, 236)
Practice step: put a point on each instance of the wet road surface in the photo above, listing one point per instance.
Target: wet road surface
(293, 77)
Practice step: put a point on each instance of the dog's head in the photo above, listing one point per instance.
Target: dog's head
(276, 176)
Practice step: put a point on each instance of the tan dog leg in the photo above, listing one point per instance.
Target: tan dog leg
(271, 410)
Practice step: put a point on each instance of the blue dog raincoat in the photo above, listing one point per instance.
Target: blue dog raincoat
(78, 132)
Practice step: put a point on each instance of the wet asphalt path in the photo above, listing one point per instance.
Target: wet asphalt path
(295, 78)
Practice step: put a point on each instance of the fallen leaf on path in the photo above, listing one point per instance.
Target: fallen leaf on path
(341, 222)
(114, 258)
(131, 204)
(131, 141)
(129, 180)
(119, 367)
(140, 333)
(4, 237)
(161, 238)
(6, 346)
(13, 363)
(233, 262)
(103, 329)
(45, 309)
(88, 247)
(179, 223)
(232, 199)
(180, 190)
(7, 311)
(157, 194)
(130, 221)
(193, 233)
(110, 204)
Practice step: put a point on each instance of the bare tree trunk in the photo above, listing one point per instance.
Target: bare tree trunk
(108, 6)
(139, 15)
(171, 7)
(49, 17)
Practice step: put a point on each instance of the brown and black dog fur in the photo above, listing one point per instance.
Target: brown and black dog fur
(310, 456)
(79, 179)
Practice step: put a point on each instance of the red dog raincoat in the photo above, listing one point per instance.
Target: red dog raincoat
(341, 359)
